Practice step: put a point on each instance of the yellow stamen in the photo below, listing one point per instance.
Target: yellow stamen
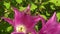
(29, 33)
(21, 28)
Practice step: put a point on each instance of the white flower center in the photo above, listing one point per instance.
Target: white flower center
(21, 28)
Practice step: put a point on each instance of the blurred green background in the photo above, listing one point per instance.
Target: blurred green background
(45, 8)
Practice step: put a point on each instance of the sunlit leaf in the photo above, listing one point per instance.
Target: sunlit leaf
(6, 13)
(42, 7)
(36, 27)
(7, 5)
(58, 15)
(52, 7)
(47, 13)
(21, 8)
(9, 28)
(44, 17)
(19, 1)
(36, 1)
(33, 6)
(56, 2)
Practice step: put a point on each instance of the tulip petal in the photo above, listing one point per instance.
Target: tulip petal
(38, 18)
(53, 18)
(32, 31)
(17, 33)
(28, 21)
(51, 27)
(8, 20)
(27, 10)
(24, 20)
(52, 21)
(17, 15)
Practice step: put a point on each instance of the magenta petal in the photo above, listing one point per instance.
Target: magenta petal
(53, 18)
(24, 20)
(27, 9)
(17, 33)
(22, 17)
(18, 15)
(15, 10)
(38, 18)
(52, 21)
(51, 27)
(8, 20)
(32, 31)
(28, 21)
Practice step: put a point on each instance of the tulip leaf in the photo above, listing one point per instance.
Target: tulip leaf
(22, 8)
(56, 2)
(36, 1)
(42, 7)
(7, 5)
(58, 15)
(52, 7)
(47, 13)
(33, 6)
(9, 28)
(19, 1)
(36, 27)
(6, 14)
(44, 17)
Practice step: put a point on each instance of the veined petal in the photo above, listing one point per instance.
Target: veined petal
(8, 20)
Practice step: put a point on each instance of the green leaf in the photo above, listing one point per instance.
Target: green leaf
(47, 13)
(42, 7)
(33, 6)
(19, 1)
(56, 2)
(44, 17)
(7, 5)
(36, 27)
(9, 28)
(22, 8)
(6, 14)
(58, 15)
(52, 7)
(36, 1)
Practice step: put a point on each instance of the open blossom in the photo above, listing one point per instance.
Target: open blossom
(23, 21)
(51, 26)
